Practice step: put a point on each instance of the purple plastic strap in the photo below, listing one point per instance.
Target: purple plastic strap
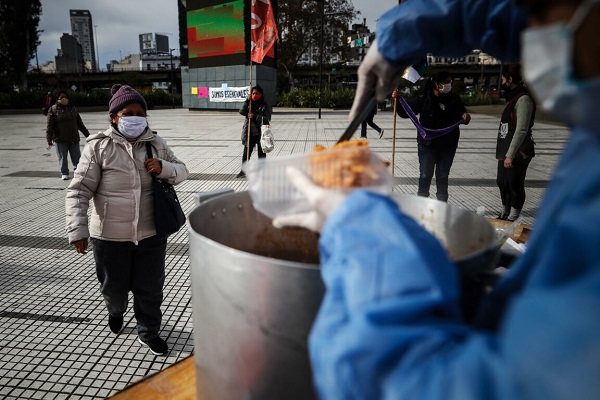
(426, 133)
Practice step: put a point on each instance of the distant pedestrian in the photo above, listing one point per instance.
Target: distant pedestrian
(515, 145)
(439, 108)
(47, 103)
(257, 113)
(63, 126)
(369, 121)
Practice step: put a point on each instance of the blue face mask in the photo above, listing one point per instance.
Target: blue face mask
(547, 57)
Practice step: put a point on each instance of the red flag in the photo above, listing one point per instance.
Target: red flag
(263, 29)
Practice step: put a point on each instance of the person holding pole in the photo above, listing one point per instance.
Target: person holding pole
(257, 113)
(389, 326)
(439, 108)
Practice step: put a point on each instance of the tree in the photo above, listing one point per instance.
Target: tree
(299, 24)
(19, 38)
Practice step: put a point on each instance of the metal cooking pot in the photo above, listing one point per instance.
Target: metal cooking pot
(256, 291)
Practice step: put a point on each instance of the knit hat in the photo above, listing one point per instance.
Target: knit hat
(123, 95)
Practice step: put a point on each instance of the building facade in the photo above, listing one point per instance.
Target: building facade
(156, 44)
(82, 29)
(70, 55)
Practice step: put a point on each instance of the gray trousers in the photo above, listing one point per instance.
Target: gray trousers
(122, 267)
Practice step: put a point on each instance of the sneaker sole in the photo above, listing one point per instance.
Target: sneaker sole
(149, 348)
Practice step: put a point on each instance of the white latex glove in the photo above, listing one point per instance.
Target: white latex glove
(323, 202)
(375, 74)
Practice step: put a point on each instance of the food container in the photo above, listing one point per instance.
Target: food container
(256, 291)
(345, 169)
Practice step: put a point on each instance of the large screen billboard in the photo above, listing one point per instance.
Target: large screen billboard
(216, 33)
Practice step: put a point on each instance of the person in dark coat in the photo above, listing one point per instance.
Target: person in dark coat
(439, 108)
(515, 145)
(257, 113)
(63, 126)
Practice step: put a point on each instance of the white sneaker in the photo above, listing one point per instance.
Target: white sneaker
(65, 177)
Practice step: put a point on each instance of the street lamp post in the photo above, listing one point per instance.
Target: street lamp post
(321, 55)
(172, 80)
(97, 53)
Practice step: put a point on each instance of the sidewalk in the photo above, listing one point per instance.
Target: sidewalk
(54, 338)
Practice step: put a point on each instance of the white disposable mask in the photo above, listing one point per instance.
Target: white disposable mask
(132, 127)
(547, 56)
(64, 101)
(446, 88)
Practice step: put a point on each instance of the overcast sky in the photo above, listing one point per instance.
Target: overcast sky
(119, 24)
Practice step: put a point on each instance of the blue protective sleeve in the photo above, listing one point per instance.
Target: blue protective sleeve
(450, 28)
(389, 326)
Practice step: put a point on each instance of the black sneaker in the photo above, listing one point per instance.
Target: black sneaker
(115, 324)
(242, 174)
(502, 216)
(381, 133)
(157, 346)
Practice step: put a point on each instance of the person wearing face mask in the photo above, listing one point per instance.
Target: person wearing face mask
(115, 171)
(257, 113)
(439, 108)
(63, 124)
(390, 326)
(514, 145)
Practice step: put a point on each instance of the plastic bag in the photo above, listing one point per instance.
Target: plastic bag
(502, 234)
(267, 141)
(273, 195)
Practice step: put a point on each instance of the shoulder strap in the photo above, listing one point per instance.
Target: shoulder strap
(149, 149)
(149, 154)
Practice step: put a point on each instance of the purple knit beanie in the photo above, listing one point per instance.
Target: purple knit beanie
(123, 95)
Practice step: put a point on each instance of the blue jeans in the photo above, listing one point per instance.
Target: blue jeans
(61, 150)
(122, 267)
(440, 160)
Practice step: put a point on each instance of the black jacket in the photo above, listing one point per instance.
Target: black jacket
(262, 116)
(437, 112)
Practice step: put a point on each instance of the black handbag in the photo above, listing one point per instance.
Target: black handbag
(168, 215)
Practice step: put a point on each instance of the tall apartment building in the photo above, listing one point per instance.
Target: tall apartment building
(83, 30)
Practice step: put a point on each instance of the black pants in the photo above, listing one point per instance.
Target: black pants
(254, 141)
(511, 182)
(363, 126)
(438, 159)
(124, 266)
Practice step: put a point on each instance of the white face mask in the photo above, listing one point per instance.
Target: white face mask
(446, 88)
(132, 127)
(64, 101)
(547, 57)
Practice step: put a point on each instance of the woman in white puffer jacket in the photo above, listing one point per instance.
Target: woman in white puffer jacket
(114, 171)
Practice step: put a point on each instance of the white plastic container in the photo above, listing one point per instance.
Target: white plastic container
(345, 169)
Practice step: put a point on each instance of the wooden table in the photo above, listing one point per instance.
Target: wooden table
(177, 382)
